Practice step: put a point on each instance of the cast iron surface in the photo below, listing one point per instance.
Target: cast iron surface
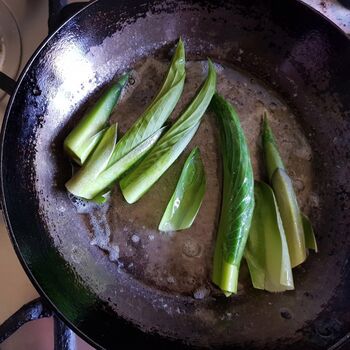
(288, 47)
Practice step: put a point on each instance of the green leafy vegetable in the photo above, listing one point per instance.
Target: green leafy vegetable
(290, 214)
(97, 177)
(238, 197)
(297, 227)
(267, 250)
(101, 197)
(170, 146)
(187, 198)
(83, 139)
(159, 110)
(94, 180)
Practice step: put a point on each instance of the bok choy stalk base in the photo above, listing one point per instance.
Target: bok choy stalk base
(140, 179)
(187, 198)
(82, 140)
(238, 197)
(266, 252)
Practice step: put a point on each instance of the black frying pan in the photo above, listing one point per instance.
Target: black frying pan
(282, 44)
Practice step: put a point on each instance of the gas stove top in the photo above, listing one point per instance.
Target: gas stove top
(23, 25)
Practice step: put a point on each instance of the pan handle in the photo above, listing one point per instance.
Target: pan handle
(55, 9)
(6, 83)
(60, 11)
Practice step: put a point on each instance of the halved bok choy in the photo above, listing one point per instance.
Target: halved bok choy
(294, 223)
(237, 199)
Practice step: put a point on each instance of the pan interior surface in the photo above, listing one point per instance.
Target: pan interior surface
(160, 283)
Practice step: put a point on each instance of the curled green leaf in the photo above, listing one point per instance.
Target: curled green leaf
(187, 198)
(267, 251)
(238, 197)
(83, 139)
(135, 184)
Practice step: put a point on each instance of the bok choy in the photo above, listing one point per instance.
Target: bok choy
(140, 179)
(238, 197)
(160, 108)
(290, 214)
(137, 141)
(296, 227)
(266, 252)
(96, 174)
(82, 140)
(187, 198)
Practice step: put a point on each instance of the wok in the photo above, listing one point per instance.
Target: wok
(285, 48)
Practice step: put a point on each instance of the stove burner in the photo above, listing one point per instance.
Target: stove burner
(35, 310)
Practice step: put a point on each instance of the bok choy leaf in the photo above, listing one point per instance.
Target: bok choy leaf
(82, 140)
(140, 179)
(187, 198)
(238, 197)
(267, 251)
(159, 110)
